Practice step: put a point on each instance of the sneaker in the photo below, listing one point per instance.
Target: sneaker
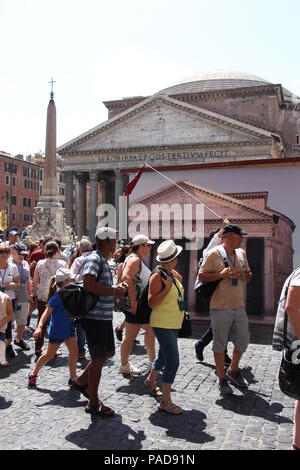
(10, 353)
(119, 334)
(236, 378)
(31, 380)
(225, 388)
(227, 361)
(4, 363)
(128, 369)
(21, 344)
(198, 351)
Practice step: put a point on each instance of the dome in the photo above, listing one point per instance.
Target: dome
(217, 80)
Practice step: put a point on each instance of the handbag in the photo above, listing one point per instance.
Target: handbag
(289, 371)
(186, 328)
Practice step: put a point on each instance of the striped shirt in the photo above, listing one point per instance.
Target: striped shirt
(103, 309)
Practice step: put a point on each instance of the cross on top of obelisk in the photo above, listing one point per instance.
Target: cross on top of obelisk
(52, 94)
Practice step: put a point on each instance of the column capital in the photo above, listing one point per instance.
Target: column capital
(82, 177)
(94, 175)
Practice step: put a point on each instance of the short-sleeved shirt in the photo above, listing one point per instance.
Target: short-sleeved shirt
(24, 273)
(46, 269)
(37, 256)
(77, 266)
(7, 276)
(3, 314)
(60, 324)
(103, 309)
(226, 296)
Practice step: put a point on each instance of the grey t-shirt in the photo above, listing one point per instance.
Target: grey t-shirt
(24, 273)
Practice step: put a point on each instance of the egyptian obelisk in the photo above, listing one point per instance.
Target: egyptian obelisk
(49, 214)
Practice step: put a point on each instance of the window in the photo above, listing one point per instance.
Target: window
(14, 181)
(13, 216)
(41, 190)
(6, 196)
(25, 184)
(6, 179)
(20, 217)
(36, 202)
(14, 200)
(29, 202)
(24, 202)
(25, 217)
(41, 175)
(6, 166)
(297, 139)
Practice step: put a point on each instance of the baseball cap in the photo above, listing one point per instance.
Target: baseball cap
(62, 274)
(20, 248)
(13, 232)
(106, 232)
(141, 240)
(232, 228)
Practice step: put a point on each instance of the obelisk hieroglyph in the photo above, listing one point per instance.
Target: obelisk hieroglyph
(49, 216)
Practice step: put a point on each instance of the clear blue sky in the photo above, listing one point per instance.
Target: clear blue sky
(98, 50)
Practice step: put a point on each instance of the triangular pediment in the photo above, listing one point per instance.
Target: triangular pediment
(163, 121)
(217, 206)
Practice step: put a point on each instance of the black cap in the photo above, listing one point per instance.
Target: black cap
(232, 228)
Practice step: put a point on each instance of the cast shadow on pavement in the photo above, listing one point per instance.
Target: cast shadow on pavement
(189, 426)
(250, 403)
(107, 434)
(15, 364)
(64, 398)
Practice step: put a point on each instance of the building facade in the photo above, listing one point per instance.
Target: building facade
(237, 129)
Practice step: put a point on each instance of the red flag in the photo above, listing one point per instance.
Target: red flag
(132, 184)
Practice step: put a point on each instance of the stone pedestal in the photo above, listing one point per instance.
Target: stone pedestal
(49, 221)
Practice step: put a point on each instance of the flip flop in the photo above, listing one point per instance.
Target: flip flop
(99, 409)
(153, 389)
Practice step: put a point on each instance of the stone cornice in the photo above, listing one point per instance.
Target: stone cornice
(161, 100)
(258, 90)
(174, 148)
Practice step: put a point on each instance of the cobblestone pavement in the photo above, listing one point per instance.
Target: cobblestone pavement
(52, 416)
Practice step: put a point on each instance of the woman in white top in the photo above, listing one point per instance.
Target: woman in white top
(43, 273)
(9, 281)
(136, 274)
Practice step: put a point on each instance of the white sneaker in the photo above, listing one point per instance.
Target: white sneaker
(129, 369)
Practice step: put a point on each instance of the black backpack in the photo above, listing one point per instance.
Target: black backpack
(143, 311)
(206, 289)
(76, 301)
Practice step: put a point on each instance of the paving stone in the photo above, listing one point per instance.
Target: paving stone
(52, 417)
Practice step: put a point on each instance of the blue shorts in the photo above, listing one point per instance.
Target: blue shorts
(70, 334)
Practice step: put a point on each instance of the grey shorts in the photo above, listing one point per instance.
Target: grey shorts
(230, 325)
(21, 313)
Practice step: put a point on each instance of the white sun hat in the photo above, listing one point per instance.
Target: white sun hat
(62, 274)
(141, 240)
(167, 251)
(106, 232)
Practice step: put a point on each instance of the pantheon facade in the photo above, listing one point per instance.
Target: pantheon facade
(230, 127)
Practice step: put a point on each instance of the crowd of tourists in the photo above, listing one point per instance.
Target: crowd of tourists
(33, 277)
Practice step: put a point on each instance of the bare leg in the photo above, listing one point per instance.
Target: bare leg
(219, 360)
(20, 331)
(236, 357)
(131, 333)
(149, 342)
(46, 357)
(71, 344)
(296, 438)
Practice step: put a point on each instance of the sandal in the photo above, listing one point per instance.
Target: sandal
(170, 408)
(81, 388)
(153, 389)
(99, 409)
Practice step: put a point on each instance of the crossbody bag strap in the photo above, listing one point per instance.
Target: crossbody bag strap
(223, 254)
